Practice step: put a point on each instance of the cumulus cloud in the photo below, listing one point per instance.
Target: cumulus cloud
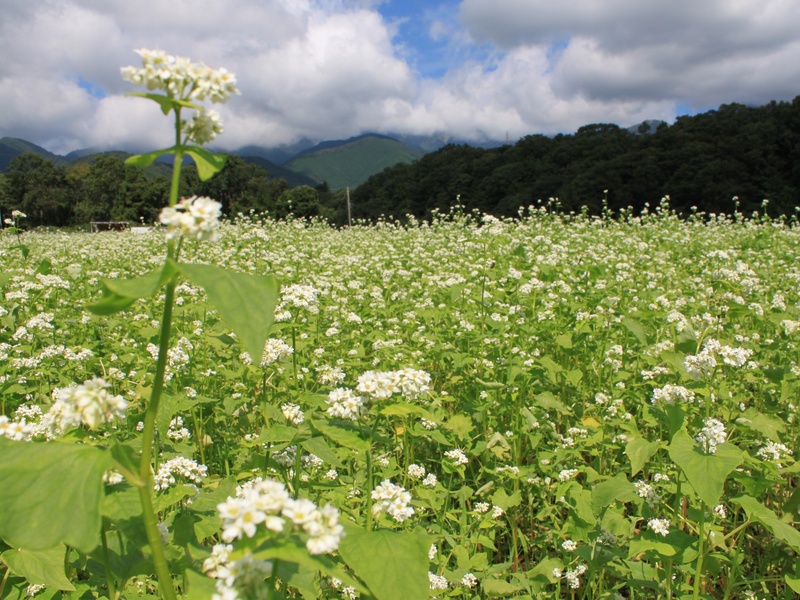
(327, 69)
(696, 53)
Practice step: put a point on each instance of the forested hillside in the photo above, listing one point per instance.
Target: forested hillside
(701, 161)
(107, 189)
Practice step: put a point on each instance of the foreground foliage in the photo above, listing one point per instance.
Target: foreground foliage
(547, 407)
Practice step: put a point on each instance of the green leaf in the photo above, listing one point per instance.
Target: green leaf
(460, 424)
(643, 545)
(245, 302)
(503, 500)
(574, 377)
(348, 438)
(318, 447)
(636, 328)
(200, 587)
(39, 566)
(145, 160)
(605, 493)
(564, 340)
(393, 564)
(706, 472)
(119, 294)
(403, 409)
(549, 402)
(639, 451)
(294, 551)
(793, 583)
(758, 512)
(51, 493)
(581, 501)
(208, 163)
(165, 102)
(769, 426)
(498, 587)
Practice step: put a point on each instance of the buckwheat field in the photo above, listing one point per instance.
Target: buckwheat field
(555, 406)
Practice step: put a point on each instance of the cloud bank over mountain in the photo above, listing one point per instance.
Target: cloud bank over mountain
(327, 69)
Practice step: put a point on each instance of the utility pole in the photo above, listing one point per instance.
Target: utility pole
(349, 220)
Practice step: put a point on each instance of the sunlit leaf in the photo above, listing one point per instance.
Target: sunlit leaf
(758, 512)
(245, 302)
(706, 472)
(43, 567)
(51, 493)
(615, 489)
(165, 102)
(393, 564)
(208, 163)
(119, 294)
(639, 451)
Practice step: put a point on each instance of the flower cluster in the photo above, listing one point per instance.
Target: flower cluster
(236, 578)
(16, 215)
(670, 393)
(180, 78)
(298, 296)
(572, 575)
(268, 502)
(703, 363)
(457, 456)
(392, 499)
(773, 451)
(345, 404)
(712, 434)
(196, 217)
(410, 383)
(180, 466)
(293, 413)
(89, 403)
(177, 431)
(659, 526)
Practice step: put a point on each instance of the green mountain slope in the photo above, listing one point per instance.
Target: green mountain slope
(11, 147)
(275, 171)
(351, 162)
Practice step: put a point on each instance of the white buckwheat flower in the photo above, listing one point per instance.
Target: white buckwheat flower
(196, 217)
(89, 403)
(659, 526)
(392, 499)
(712, 434)
(457, 456)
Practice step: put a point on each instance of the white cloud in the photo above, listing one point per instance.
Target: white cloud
(699, 53)
(335, 68)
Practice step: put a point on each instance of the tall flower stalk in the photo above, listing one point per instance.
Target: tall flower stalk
(183, 83)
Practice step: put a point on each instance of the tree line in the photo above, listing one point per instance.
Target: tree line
(732, 158)
(701, 162)
(107, 189)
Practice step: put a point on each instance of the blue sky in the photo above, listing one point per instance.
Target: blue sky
(473, 70)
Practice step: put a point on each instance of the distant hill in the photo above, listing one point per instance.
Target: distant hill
(648, 127)
(341, 163)
(275, 154)
(11, 147)
(348, 163)
(279, 172)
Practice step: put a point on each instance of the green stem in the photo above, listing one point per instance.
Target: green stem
(668, 572)
(273, 580)
(698, 572)
(174, 190)
(369, 473)
(166, 585)
(112, 588)
(5, 578)
(369, 490)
